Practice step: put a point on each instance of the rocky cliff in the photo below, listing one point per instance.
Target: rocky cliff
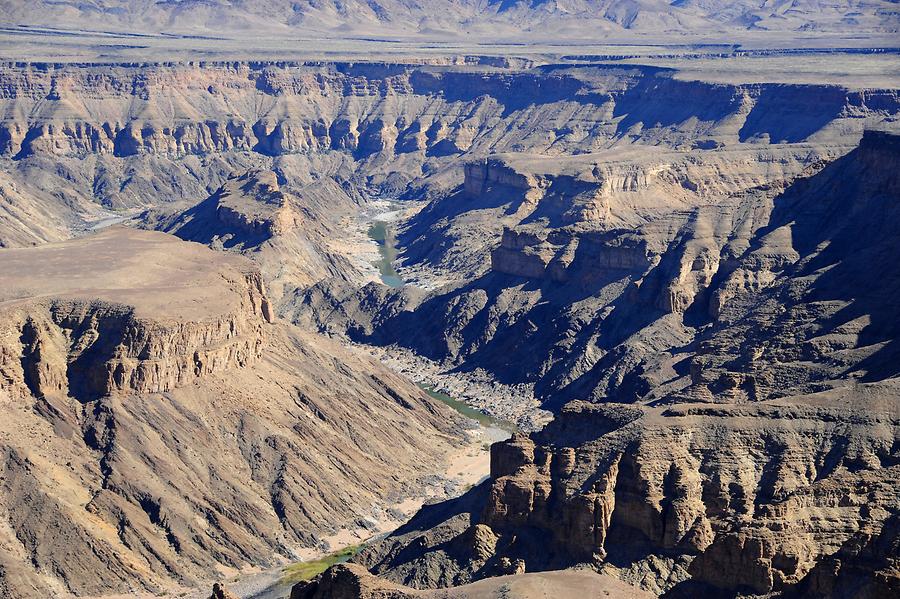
(644, 303)
(741, 429)
(123, 136)
(160, 426)
(683, 499)
(297, 238)
(58, 340)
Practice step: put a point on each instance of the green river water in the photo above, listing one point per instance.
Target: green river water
(381, 233)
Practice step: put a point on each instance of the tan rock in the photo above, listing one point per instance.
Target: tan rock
(156, 414)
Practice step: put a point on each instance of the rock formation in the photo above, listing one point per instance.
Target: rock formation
(63, 338)
(692, 498)
(624, 307)
(220, 591)
(698, 278)
(160, 424)
(749, 446)
(132, 136)
(296, 239)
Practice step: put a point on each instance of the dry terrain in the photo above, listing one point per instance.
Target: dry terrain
(659, 238)
(353, 581)
(161, 427)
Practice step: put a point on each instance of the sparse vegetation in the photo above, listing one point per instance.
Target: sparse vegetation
(306, 570)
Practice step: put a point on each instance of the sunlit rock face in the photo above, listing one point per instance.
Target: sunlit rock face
(740, 437)
(697, 278)
(178, 131)
(157, 412)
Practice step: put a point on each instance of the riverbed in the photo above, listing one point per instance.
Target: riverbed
(467, 467)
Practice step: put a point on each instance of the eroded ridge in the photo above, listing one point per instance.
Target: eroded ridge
(161, 426)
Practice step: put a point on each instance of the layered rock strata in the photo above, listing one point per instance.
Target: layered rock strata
(757, 498)
(742, 443)
(654, 300)
(122, 135)
(296, 238)
(709, 253)
(160, 426)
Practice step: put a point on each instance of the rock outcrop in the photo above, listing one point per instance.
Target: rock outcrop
(220, 591)
(758, 497)
(161, 425)
(296, 238)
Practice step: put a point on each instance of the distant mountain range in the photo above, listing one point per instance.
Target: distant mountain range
(560, 19)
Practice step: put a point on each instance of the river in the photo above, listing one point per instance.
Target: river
(382, 233)
(272, 584)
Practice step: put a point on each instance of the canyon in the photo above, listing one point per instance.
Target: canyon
(769, 354)
(678, 288)
(159, 423)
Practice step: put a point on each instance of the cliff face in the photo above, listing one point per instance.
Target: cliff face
(60, 341)
(87, 350)
(759, 494)
(687, 499)
(742, 431)
(826, 235)
(177, 110)
(683, 289)
(177, 131)
(160, 425)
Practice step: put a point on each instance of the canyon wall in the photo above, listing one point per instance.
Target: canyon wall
(683, 500)
(737, 430)
(183, 109)
(161, 426)
(626, 306)
(132, 135)
(716, 256)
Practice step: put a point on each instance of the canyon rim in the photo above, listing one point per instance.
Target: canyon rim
(450, 299)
